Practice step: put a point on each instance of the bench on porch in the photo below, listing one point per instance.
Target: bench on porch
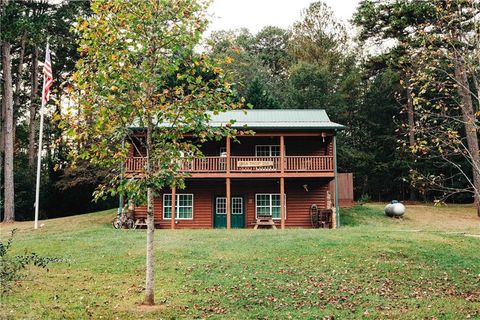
(264, 221)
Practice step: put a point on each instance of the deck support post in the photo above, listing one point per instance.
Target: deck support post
(174, 205)
(282, 182)
(227, 147)
(282, 203)
(228, 196)
(229, 207)
(335, 172)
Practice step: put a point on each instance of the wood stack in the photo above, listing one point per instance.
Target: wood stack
(332, 207)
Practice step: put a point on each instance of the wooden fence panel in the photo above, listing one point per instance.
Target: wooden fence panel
(345, 190)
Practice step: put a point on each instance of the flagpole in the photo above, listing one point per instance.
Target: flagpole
(39, 156)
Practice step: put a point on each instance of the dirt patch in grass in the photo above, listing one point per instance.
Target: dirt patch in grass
(147, 308)
(436, 218)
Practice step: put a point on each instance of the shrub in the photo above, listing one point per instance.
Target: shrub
(364, 198)
(11, 267)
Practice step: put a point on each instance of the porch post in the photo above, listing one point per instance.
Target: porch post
(229, 217)
(337, 209)
(282, 203)
(228, 196)
(282, 155)
(174, 205)
(228, 156)
(282, 182)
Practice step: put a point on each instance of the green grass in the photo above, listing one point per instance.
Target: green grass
(422, 266)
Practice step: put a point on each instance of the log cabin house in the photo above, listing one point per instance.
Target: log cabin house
(279, 172)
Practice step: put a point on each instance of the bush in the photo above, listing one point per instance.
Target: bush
(11, 267)
(364, 198)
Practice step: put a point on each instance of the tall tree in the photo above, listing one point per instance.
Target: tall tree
(319, 37)
(389, 24)
(247, 66)
(8, 136)
(33, 107)
(437, 42)
(139, 68)
(443, 65)
(318, 45)
(270, 45)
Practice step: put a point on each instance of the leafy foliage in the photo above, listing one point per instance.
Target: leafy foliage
(442, 62)
(255, 65)
(34, 21)
(322, 69)
(319, 37)
(314, 64)
(139, 74)
(428, 42)
(11, 267)
(148, 76)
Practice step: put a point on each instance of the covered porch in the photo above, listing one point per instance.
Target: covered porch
(216, 203)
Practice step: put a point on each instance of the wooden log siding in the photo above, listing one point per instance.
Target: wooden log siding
(298, 200)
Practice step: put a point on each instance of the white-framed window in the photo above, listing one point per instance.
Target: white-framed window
(269, 204)
(267, 150)
(183, 206)
(237, 205)
(221, 205)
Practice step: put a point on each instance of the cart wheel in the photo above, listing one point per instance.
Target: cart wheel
(130, 223)
(117, 223)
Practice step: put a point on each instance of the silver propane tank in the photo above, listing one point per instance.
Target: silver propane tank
(395, 209)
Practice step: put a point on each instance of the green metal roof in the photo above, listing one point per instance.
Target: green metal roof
(277, 119)
(283, 119)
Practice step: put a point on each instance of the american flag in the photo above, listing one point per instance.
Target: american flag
(47, 76)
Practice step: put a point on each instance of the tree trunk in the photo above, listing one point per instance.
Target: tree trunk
(9, 215)
(33, 109)
(149, 283)
(468, 116)
(2, 145)
(411, 121)
(411, 130)
(477, 87)
(19, 80)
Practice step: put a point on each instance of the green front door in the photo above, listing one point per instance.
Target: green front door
(237, 211)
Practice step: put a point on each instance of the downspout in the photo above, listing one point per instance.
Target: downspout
(337, 209)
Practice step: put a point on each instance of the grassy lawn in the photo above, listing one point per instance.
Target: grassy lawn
(426, 265)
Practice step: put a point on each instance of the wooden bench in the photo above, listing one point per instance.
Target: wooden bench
(264, 221)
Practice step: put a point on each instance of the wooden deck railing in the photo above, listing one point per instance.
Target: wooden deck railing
(317, 163)
(254, 164)
(240, 164)
(205, 164)
(135, 164)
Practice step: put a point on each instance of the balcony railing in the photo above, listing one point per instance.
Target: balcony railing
(248, 164)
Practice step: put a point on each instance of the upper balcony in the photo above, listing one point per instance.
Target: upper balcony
(286, 143)
(247, 166)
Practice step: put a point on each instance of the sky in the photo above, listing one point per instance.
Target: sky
(255, 14)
